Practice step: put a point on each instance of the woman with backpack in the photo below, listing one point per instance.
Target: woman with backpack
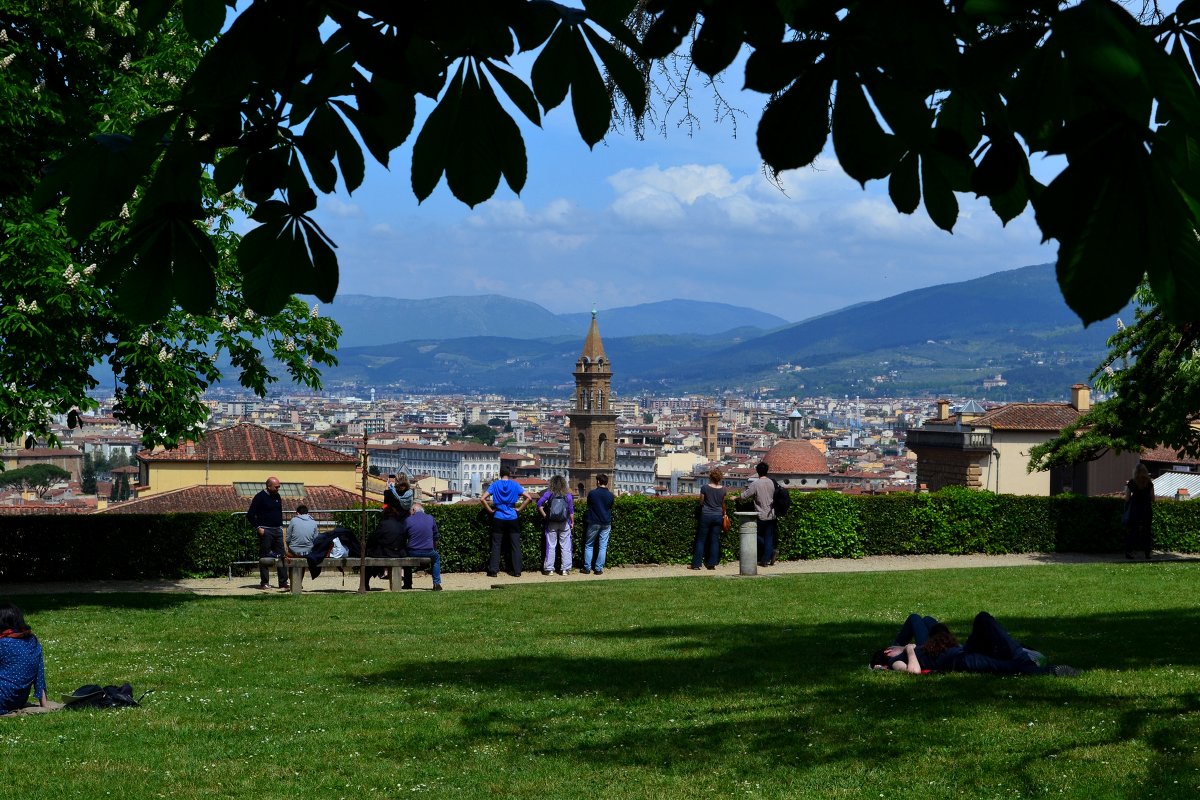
(557, 507)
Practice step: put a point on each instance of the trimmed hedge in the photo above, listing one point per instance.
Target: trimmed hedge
(646, 530)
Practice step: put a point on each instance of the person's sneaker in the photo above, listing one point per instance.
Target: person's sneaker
(545, 572)
(599, 572)
(264, 587)
(585, 572)
(493, 574)
(565, 572)
(1064, 671)
(437, 587)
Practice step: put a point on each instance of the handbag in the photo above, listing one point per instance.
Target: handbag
(724, 522)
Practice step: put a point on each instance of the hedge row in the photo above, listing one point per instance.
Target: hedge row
(645, 531)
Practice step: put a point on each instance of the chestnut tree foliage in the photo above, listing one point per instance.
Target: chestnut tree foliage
(1152, 372)
(70, 68)
(288, 98)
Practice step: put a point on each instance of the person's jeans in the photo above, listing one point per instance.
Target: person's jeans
(596, 540)
(707, 548)
(270, 545)
(506, 532)
(560, 541)
(435, 566)
(990, 648)
(915, 629)
(768, 533)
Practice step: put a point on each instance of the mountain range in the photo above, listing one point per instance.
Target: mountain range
(943, 339)
(367, 320)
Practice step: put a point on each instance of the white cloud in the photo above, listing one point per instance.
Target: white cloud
(331, 204)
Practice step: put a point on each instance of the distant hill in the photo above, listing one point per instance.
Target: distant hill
(940, 340)
(937, 339)
(672, 317)
(369, 320)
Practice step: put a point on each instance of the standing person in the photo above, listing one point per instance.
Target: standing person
(557, 507)
(707, 547)
(266, 517)
(762, 491)
(420, 540)
(1139, 508)
(301, 531)
(21, 664)
(599, 526)
(504, 500)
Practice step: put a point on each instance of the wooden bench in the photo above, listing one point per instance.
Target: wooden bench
(298, 566)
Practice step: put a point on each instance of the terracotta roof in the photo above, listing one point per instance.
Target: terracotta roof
(796, 457)
(1167, 455)
(225, 498)
(246, 442)
(1028, 417)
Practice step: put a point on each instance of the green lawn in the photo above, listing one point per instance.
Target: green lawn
(651, 689)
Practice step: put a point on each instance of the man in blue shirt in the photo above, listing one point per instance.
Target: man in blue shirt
(599, 525)
(504, 499)
(420, 537)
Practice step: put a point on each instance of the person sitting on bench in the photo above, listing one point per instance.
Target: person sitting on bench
(421, 535)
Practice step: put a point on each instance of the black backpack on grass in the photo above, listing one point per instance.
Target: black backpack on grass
(93, 696)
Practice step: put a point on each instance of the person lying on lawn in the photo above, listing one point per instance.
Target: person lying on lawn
(925, 645)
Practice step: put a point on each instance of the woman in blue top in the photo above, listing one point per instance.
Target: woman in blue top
(707, 547)
(21, 664)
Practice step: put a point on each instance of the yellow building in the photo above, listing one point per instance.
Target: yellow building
(243, 456)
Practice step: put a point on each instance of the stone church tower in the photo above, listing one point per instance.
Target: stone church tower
(708, 438)
(593, 422)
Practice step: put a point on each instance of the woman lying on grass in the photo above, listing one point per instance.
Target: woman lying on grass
(925, 645)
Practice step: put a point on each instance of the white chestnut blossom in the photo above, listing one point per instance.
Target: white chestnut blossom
(163, 355)
(249, 315)
(145, 338)
(124, 211)
(8, 59)
(315, 310)
(91, 268)
(125, 61)
(289, 344)
(229, 323)
(121, 9)
(90, 33)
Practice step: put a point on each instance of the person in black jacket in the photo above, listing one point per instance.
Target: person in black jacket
(387, 541)
(266, 517)
(1139, 512)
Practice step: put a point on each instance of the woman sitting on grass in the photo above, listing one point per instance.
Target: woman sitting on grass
(21, 664)
(926, 645)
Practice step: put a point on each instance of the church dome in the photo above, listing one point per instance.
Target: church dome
(796, 457)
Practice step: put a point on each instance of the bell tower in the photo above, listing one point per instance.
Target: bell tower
(593, 422)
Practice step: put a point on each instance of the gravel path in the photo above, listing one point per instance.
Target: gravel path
(333, 581)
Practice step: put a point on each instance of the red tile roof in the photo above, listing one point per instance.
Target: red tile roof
(246, 442)
(1028, 417)
(1167, 455)
(225, 498)
(796, 457)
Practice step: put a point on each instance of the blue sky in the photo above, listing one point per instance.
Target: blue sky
(683, 216)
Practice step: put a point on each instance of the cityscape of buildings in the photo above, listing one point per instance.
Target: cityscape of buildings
(453, 446)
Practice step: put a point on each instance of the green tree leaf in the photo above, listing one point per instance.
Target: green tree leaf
(589, 97)
(864, 150)
(795, 126)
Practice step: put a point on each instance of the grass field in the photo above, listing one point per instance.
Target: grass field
(658, 689)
